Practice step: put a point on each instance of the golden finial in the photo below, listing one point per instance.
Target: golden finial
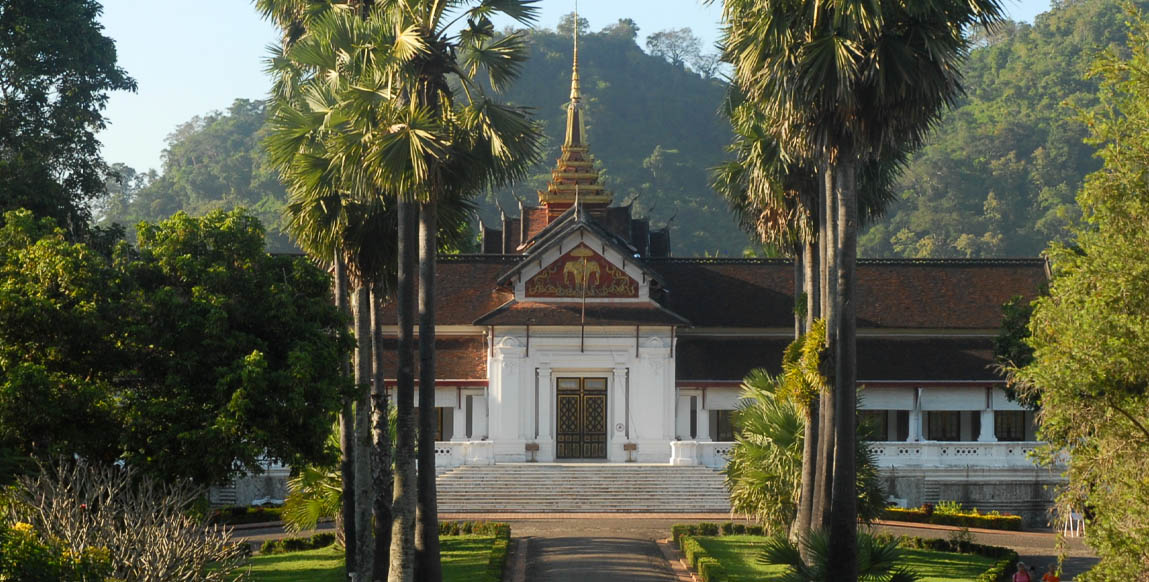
(576, 94)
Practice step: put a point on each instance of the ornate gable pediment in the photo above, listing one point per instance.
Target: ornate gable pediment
(582, 272)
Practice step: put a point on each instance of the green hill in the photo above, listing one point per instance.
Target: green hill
(998, 178)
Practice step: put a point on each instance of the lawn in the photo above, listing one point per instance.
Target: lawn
(738, 555)
(464, 560)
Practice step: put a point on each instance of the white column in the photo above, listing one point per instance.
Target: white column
(546, 414)
(916, 417)
(703, 419)
(987, 429)
(618, 389)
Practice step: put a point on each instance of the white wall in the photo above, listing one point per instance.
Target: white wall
(607, 353)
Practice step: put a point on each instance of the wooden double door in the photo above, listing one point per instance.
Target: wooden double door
(582, 418)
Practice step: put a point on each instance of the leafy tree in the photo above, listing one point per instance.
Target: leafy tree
(228, 345)
(1090, 340)
(56, 70)
(677, 45)
(191, 357)
(1010, 349)
(58, 347)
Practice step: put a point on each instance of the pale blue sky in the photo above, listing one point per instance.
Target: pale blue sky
(195, 56)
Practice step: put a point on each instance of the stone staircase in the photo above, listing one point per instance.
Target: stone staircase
(582, 488)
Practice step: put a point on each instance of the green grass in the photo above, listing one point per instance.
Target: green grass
(739, 554)
(464, 560)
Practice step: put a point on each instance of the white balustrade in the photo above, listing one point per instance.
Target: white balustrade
(709, 453)
(456, 453)
(941, 454)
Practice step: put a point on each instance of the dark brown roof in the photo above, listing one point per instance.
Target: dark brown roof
(537, 313)
(465, 288)
(909, 294)
(456, 358)
(930, 359)
(925, 359)
(698, 358)
(729, 293)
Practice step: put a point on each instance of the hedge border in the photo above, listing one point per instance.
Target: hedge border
(242, 515)
(918, 515)
(297, 544)
(708, 568)
(684, 536)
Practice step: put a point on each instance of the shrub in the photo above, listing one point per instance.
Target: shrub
(26, 557)
(991, 520)
(145, 524)
(297, 544)
(739, 528)
(948, 508)
(755, 530)
(707, 529)
(727, 528)
(238, 515)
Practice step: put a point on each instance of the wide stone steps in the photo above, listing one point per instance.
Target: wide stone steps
(581, 488)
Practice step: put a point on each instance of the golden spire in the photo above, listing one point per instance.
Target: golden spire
(574, 179)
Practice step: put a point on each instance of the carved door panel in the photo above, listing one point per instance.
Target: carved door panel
(582, 418)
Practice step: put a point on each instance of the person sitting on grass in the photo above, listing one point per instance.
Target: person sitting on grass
(1022, 574)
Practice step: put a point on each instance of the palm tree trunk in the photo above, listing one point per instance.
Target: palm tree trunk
(381, 477)
(346, 434)
(844, 515)
(363, 546)
(402, 563)
(810, 435)
(824, 477)
(428, 567)
(346, 431)
(799, 288)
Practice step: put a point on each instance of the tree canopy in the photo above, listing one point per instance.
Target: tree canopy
(1090, 335)
(197, 355)
(56, 70)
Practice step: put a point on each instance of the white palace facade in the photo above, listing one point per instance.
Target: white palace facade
(575, 335)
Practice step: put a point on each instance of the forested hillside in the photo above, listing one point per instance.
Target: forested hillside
(1000, 174)
(997, 178)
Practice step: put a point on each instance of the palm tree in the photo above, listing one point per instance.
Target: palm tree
(393, 69)
(849, 81)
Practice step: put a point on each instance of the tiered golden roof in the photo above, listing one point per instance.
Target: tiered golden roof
(574, 176)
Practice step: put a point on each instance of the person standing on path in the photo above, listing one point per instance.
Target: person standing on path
(1051, 574)
(1022, 574)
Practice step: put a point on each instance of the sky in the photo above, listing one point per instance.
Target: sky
(191, 57)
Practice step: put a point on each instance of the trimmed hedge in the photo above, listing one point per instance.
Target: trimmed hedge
(282, 546)
(713, 529)
(497, 559)
(707, 566)
(923, 515)
(1001, 571)
(240, 515)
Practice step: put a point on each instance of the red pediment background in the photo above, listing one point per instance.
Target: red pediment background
(581, 272)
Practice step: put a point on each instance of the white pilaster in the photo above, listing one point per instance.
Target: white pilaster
(618, 390)
(546, 413)
(459, 418)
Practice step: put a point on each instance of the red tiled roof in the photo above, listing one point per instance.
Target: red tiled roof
(456, 358)
(465, 288)
(537, 313)
(933, 294)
